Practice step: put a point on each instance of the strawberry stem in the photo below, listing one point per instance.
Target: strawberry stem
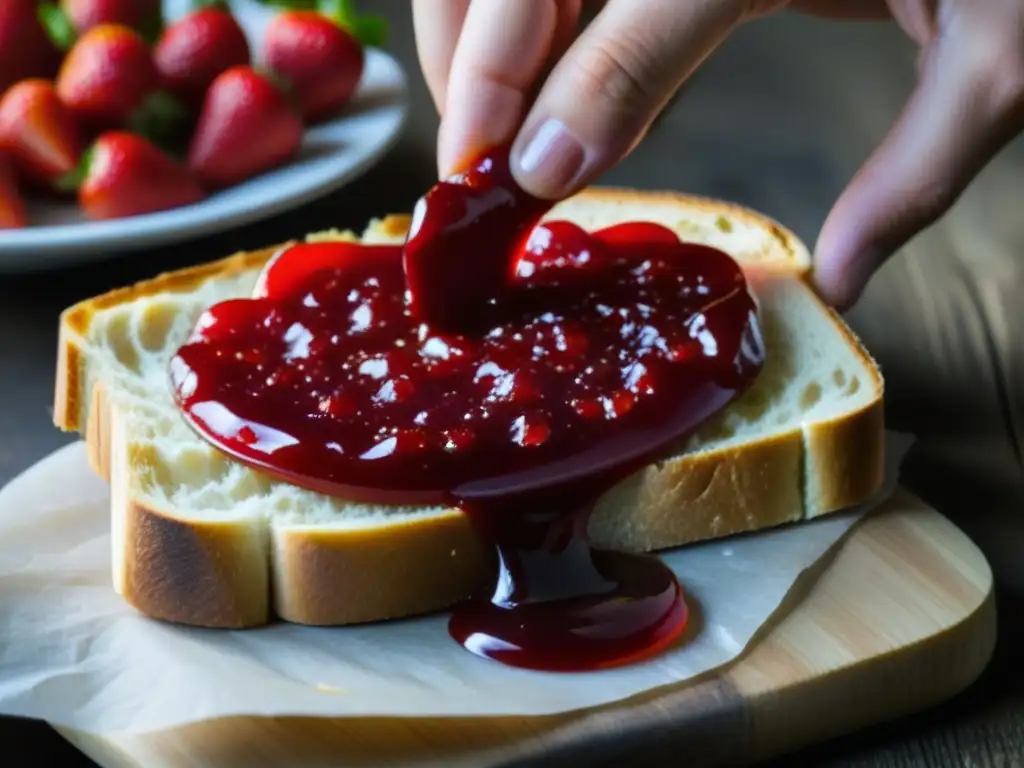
(160, 119)
(283, 84)
(72, 180)
(279, 80)
(369, 29)
(292, 5)
(57, 25)
(202, 5)
(152, 27)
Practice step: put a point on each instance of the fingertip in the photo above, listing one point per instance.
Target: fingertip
(480, 113)
(839, 294)
(501, 53)
(842, 269)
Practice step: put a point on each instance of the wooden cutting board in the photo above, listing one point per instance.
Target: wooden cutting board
(899, 617)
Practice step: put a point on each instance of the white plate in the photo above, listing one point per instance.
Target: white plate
(332, 154)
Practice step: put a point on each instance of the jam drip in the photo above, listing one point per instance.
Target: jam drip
(561, 605)
(603, 351)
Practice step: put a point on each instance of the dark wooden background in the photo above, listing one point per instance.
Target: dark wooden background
(779, 119)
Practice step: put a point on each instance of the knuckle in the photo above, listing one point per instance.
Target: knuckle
(1002, 78)
(1009, 87)
(993, 57)
(619, 73)
(487, 72)
(928, 203)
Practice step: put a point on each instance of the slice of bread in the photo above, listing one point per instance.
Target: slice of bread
(201, 540)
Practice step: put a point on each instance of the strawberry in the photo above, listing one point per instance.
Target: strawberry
(37, 132)
(247, 125)
(192, 52)
(12, 207)
(25, 48)
(320, 54)
(144, 16)
(125, 175)
(107, 76)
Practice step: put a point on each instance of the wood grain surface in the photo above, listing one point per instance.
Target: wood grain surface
(899, 617)
(779, 118)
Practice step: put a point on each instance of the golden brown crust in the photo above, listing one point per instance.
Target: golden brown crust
(845, 462)
(67, 394)
(194, 572)
(395, 225)
(97, 432)
(175, 568)
(847, 456)
(243, 573)
(330, 577)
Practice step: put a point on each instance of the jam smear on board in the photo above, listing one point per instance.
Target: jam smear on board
(594, 354)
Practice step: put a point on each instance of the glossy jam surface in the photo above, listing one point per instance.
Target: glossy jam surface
(466, 234)
(328, 382)
(604, 350)
(560, 605)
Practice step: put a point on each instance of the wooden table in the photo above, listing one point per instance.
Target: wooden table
(779, 119)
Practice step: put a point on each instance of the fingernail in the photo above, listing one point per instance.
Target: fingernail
(549, 161)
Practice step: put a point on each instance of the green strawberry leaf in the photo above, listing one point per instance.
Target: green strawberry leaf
(369, 29)
(57, 25)
(202, 5)
(292, 5)
(152, 28)
(162, 119)
(71, 181)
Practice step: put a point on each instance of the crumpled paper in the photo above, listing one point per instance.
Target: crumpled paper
(72, 653)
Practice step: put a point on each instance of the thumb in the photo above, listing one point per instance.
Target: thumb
(966, 107)
(606, 90)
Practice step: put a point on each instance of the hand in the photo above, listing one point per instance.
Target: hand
(576, 105)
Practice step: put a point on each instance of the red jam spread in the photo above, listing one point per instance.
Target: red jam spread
(466, 234)
(596, 354)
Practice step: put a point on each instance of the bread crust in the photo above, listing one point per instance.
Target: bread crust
(845, 457)
(330, 577)
(194, 572)
(246, 573)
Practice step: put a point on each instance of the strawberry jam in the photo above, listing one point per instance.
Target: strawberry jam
(465, 236)
(598, 352)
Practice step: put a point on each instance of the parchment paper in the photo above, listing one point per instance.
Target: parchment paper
(72, 653)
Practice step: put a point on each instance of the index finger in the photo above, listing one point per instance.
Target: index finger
(499, 56)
